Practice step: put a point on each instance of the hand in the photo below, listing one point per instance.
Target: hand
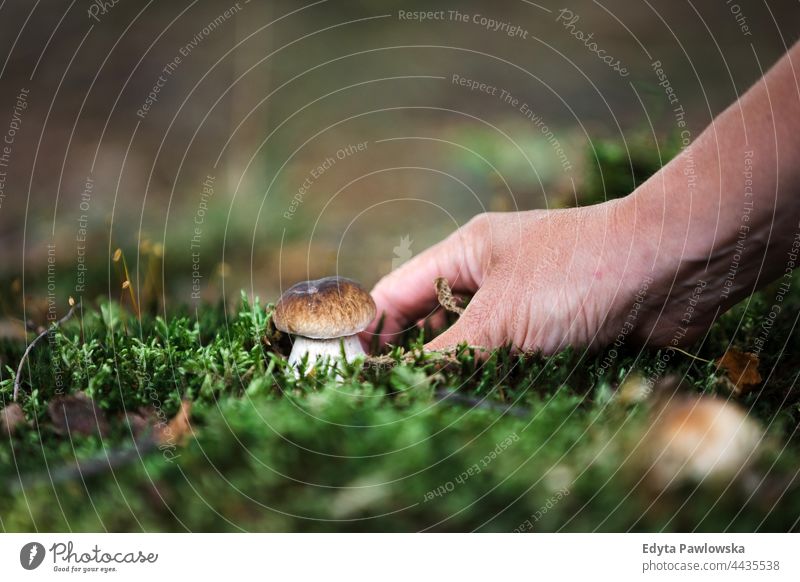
(540, 279)
(658, 266)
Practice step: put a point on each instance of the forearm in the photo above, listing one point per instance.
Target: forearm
(725, 212)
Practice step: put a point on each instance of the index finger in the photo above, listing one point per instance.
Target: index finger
(407, 294)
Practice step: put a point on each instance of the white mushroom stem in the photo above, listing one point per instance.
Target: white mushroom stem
(324, 349)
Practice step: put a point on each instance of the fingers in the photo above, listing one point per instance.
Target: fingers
(473, 328)
(407, 293)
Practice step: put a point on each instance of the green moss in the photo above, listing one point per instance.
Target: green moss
(499, 444)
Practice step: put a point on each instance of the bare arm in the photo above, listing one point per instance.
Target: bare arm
(711, 227)
(726, 210)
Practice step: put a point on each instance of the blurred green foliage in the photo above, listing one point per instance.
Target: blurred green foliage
(616, 168)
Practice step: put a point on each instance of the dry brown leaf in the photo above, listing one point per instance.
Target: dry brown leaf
(10, 418)
(77, 414)
(445, 296)
(178, 430)
(741, 371)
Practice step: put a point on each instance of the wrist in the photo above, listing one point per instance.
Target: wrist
(668, 286)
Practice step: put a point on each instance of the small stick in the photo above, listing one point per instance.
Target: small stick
(445, 296)
(685, 353)
(31, 345)
(126, 283)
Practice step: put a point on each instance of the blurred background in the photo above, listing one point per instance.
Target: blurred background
(224, 145)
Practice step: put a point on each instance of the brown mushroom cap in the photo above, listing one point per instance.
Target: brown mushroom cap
(325, 308)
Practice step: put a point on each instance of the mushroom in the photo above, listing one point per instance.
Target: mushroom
(700, 439)
(324, 315)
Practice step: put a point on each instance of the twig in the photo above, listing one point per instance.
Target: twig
(31, 345)
(685, 353)
(445, 296)
(126, 283)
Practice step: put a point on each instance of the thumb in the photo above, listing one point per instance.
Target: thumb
(471, 328)
(408, 294)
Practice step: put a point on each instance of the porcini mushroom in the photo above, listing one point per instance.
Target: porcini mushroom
(324, 316)
(700, 439)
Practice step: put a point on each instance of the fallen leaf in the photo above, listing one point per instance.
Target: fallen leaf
(178, 430)
(741, 371)
(10, 418)
(77, 414)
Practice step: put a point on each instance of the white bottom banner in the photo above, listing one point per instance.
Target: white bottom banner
(389, 557)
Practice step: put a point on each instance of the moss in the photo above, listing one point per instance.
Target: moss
(404, 444)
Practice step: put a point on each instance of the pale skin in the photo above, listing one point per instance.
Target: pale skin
(662, 263)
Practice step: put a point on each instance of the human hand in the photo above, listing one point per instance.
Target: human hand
(541, 280)
(657, 266)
